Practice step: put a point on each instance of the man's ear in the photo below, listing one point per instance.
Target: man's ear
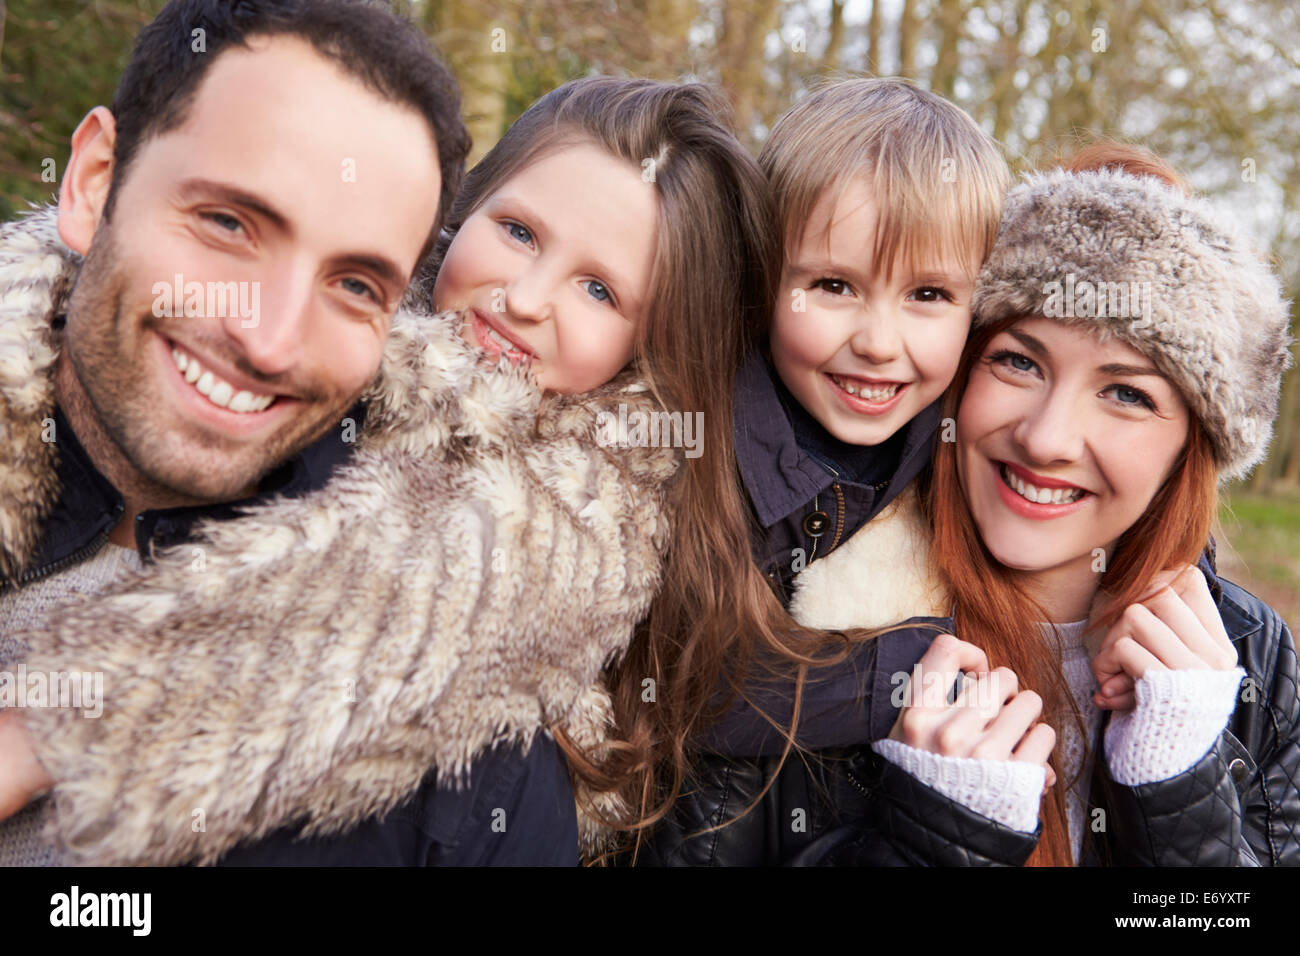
(86, 181)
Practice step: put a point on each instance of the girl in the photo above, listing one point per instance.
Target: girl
(1090, 439)
(460, 582)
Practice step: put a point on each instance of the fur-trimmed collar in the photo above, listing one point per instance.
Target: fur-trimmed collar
(461, 581)
(880, 576)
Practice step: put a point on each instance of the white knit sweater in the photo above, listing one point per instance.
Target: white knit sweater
(1178, 717)
(25, 610)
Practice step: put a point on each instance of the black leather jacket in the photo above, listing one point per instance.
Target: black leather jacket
(1239, 805)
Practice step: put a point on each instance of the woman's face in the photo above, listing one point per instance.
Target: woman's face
(1062, 442)
(554, 267)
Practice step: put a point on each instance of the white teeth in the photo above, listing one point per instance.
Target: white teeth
(1042, 496)
(870, 393)
(501, 340)
(218, 391)
(221, 394)
(505, 344)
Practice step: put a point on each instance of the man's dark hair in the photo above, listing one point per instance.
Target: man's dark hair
(368, 39)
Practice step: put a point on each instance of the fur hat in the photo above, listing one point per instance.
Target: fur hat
(1160, 271)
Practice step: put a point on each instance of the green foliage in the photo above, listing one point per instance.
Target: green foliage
(59, 59)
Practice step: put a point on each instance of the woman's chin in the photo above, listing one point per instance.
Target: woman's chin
(1028, 555)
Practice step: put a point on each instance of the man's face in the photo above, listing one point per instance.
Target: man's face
(238, 301)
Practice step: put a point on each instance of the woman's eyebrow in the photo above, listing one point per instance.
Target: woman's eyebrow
(1029, 342)
(1111, 368)
(1116, 369)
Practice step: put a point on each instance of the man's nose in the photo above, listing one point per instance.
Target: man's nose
(272, 321)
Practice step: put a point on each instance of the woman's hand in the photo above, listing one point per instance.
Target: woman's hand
(991, 718)
(1176, 627)
(21, 774)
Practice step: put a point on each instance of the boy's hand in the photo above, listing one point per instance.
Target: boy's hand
(1175, 627)
(21, 774)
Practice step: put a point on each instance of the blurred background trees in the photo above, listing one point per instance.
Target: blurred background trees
(1212, 85)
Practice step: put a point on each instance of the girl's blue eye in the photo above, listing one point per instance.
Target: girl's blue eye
(519, 232)
(598, 291)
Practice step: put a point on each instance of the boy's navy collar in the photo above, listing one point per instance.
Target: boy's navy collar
(89, 506)
(780, 477)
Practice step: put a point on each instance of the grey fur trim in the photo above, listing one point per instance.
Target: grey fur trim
(461, 582)
(1217, 324)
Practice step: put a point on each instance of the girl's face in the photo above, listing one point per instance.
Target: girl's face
(553, 268)
(1062, 443)
(864, 352)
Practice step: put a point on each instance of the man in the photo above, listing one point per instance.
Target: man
(250, 213)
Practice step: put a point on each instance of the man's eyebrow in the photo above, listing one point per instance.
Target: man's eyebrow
(386, 269)
(197, 187)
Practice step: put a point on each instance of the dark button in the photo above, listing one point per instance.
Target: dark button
(816, 524)
(1238, 769)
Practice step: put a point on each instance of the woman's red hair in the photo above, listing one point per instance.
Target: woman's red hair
(992, 607)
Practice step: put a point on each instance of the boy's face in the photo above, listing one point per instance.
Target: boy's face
(236, 302)
(861, 351)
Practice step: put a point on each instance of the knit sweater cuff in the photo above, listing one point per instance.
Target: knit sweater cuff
(1178, 717)
(1008, 791)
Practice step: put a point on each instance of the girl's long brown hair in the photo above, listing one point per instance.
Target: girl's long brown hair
(992, 607)
(714, 277)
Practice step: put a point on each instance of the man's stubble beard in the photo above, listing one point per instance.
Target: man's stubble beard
(107, 362)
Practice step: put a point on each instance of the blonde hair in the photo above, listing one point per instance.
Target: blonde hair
(937, 178)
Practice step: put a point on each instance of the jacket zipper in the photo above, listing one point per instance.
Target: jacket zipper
(856, 783)
(35, 574)
(839, 514)
(812, 553)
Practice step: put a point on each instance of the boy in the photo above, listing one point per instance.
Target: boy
(889, 199)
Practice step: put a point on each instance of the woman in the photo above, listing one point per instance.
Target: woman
(1080, 487)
